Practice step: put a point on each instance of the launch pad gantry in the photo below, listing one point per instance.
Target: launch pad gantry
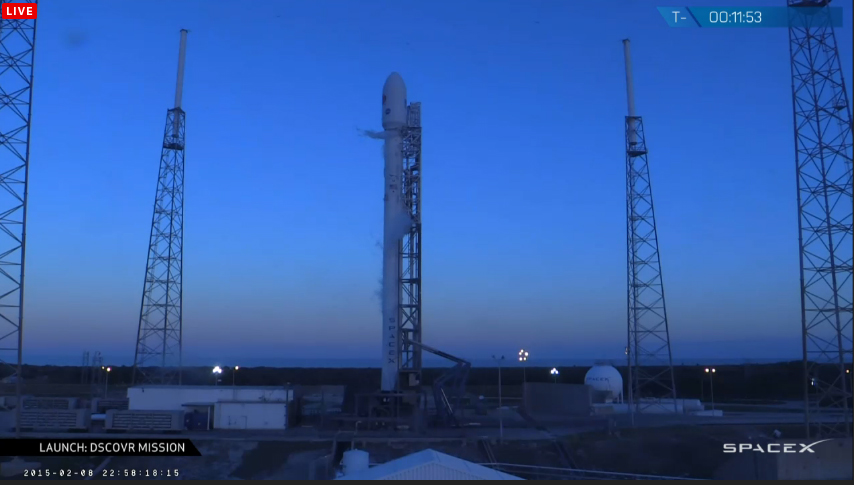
(17, 55)
(651, 381)
(823, 161)
(160, 335)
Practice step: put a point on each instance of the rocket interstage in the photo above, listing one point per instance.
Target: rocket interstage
(396, 224)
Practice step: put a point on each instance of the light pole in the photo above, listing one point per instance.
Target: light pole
(523, 358)
(106, 381)
(234, 375)
(630, 385)
(216, 373)
(500, 412)
(554, 373)
(711, 372)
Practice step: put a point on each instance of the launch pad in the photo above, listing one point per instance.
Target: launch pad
(410, 405)
(397, 410)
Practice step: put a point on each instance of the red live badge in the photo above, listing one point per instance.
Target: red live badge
(19, 10)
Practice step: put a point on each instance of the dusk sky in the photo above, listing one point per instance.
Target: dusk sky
(524, 175)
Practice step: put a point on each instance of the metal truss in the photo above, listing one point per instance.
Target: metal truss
(159, 340)
(822, 121)
(17, 51)
(410, 253)
(650, 361)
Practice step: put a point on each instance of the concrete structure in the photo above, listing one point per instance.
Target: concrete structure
(558, 399)
(178, 398)
(101, 406)
(251, 415)
(226, 407)
(45, 403)
(428, 465)
(662, 406)
(320, 400)
(55, 419)
(160, 421)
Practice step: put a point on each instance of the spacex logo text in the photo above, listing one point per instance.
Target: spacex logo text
(771, 447)
(19, 10)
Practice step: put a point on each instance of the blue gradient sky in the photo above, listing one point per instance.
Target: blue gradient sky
(524, 181)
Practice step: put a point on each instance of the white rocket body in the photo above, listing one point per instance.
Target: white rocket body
(396, 223)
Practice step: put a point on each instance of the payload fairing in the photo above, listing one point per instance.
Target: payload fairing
(396, 223)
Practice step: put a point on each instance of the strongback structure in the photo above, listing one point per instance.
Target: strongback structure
(410, 253)
(822, 119)
(650, 361)
(17, 48)
(159, 339)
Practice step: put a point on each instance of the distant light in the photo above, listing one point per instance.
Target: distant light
(217, 370)
(237, 367)
(847, 371)
(109, 369)
(554, 372)
(712, 370)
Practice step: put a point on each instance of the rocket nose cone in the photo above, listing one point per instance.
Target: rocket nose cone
(394, 84)
(394, 102)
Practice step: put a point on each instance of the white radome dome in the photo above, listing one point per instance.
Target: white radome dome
(605, 378)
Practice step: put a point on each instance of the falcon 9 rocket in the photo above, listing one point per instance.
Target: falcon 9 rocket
(396, 223)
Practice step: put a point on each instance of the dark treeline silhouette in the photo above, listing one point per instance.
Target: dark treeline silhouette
(750, 381)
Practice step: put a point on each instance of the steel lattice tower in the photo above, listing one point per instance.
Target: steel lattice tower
(159, 340)
(410, 251)
(17, 52)
(650, 360)
(822, 119)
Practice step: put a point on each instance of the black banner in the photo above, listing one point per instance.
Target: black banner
(98, 447)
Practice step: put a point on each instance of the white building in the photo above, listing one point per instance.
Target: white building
(225, 407)
(251, 415)
(425, 465)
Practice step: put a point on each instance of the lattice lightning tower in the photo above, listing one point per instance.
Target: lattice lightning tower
(648, 351)
(410, 251)
(822, 118)
(160, 339)
(17, 50)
